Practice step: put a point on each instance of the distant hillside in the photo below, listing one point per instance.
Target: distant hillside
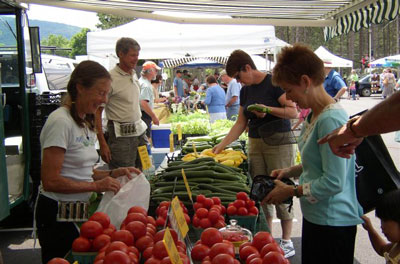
(45, 29)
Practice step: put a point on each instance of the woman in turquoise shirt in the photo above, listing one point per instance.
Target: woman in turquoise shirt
(326, 188)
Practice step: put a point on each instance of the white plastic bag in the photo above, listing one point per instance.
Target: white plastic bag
(133, 192)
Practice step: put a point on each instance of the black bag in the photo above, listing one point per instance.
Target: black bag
(376, 173)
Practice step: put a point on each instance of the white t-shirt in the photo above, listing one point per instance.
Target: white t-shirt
(60, 130)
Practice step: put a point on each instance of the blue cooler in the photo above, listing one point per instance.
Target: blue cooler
(160, 135)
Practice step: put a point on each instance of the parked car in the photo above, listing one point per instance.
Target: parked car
(363, 86)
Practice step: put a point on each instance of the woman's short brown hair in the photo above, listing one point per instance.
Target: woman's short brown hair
(237, 60)
(296, 61)
(211, 79)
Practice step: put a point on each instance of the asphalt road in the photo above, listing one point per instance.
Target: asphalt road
(364, 253)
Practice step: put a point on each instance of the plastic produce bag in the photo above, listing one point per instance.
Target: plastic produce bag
(134, 192)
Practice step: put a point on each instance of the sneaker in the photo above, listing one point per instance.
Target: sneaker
(288, 248)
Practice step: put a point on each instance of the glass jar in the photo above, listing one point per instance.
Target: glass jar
(236, 234)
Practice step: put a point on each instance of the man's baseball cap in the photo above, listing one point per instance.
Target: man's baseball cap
(150, 65)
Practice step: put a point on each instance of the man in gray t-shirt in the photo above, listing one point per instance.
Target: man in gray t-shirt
(178, 84)
(232, 96)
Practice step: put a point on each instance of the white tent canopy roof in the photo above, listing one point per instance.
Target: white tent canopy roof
(337, 16)
(337, 61)
(383, 61)
(162, 40)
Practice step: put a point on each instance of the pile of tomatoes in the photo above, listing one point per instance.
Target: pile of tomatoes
(262, 250)
(209, 212)
(243, 205)
(162, 213)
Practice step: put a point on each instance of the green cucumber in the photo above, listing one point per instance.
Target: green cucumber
(259, 108)
(215, 189)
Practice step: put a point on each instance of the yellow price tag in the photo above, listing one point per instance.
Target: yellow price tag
(144, 157)
(187, 185)
(194, 150)
(179, 218)
(171, 248)
(179, 128)
(171, 142)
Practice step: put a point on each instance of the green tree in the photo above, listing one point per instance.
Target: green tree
(110, 21)
(57, 41)
(78, 43)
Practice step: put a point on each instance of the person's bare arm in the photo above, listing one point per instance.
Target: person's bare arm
(176, 91)
(340, 92)
(104, 149)
(53, 158)
(378, 243)
(146, 107)
(232, 101)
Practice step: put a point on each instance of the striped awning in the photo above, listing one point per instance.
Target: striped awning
(374, 13)
(173, 63)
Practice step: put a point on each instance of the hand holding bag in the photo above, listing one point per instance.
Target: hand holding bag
(134, 192)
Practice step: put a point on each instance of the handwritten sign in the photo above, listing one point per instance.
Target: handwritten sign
(144, 157)
(187, 185)
(177, 218)
(171, 247)
(171, 142)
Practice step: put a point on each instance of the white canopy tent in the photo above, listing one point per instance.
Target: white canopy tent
(163, 40)
(389, 61)
(337, 61)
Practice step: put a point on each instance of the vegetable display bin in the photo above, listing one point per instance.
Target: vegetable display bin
(84, 257)
(160, 135)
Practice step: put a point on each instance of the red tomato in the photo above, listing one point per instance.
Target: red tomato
(197, 206)
(152, 226)
(135, 217)
(200, 198)
(239, 203)
(187, 218)
(206, 262)
(150, 231)
(223, 209)
(99, 256)
(185, 259)
(252, 256)
(223, 259)
(242, 211)
(108, 231)
(208, 203)
(213, 216)
(205, 223)
(196, 221)
(231, 210)
(221, 248)
(271, 247)
(217, 207)
(100, 261)
(160, 221)
(244, 245)
(199, 252)
(261, 239)
(159, 250)
(101, 241)
(117, 245)
(144, 242)
(147, 253)
(117, 257)
(160, 235)
(112, 227)
(124, 236)
(211, 236)
(202, 213)
(134, 250)
(102, 218)
(247, 251)
(250, 203)
(91, 229)
(216, 200)
(165, 203)
(273, 257)
(256, 261)
(181, 244)
(151, 220)
(58, 261)
(219, 224)
(137, 209)
(137, 229)
(81, 244)
(152, 261)
(134, 258)
(253, 210)
(236, 261)
(242, 196)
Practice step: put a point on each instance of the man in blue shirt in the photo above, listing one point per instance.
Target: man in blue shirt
(333, 84)
(178, 84)
(232, 96)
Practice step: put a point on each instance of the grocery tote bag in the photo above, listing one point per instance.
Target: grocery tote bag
(376, 173)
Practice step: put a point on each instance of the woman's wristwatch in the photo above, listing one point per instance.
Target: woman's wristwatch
(296, 191)
(350, 126)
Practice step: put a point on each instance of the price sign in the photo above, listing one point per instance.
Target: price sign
(171, 248)
(194, 150)
(171, 142)
(178, 218)
(144, 157)
(179, 128)
(187, 185)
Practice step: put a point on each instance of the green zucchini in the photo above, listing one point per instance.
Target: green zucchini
(259, 108)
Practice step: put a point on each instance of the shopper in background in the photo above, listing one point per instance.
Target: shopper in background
(263, 158)
(149, 72)
(389, 82)
(156, 85)
(125, 125)
(326, 189)
(333, 84)
(390, 225)
(68, 156)
(178, 84)
(232, 96)
(352, 78)
(215, 100)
